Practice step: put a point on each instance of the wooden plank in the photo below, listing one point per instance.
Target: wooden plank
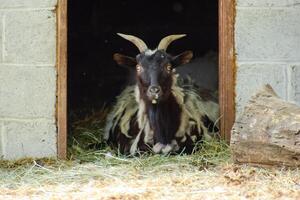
(226, 67)
(62, 79)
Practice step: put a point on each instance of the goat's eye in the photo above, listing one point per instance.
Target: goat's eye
(168, 67)
(138, 68)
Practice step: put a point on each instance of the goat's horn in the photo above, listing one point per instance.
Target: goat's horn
(135, 40)
(166, 41)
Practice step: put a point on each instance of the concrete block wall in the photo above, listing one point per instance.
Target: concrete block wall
(28, 78)
(267, 41)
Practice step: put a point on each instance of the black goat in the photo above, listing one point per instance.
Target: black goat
(158, 112)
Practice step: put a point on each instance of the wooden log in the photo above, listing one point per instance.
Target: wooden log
(267, 132)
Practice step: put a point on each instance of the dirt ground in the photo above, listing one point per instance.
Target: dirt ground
(177, 177)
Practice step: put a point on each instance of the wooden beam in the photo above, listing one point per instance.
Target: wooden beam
(226, 67)
(62, 79)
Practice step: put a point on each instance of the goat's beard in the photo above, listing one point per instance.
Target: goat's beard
(164, 119)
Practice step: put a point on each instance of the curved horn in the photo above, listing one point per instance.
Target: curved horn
(166, 41)
(135, 40)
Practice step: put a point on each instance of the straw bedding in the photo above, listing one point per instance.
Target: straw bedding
(103, 174)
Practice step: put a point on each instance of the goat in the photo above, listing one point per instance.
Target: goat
(157, 113)
(203, 71)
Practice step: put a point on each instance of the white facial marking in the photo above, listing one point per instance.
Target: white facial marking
(154, 101)
(150, 52)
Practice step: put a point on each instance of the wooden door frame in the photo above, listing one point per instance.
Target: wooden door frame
(227, 67)
(61, 65)
(226, 71)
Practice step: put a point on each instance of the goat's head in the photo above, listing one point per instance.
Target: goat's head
(154, 68)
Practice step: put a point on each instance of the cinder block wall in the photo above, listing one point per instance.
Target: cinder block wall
(267, 39)
(27, 78)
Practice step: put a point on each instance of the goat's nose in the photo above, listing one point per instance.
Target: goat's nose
(154, 89)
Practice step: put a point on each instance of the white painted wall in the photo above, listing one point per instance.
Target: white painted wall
(27, 78)
(267, 39)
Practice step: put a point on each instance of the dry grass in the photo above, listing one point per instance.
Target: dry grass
(207, 174)
(104, 174)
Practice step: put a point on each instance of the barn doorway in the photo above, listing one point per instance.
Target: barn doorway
(94, 79)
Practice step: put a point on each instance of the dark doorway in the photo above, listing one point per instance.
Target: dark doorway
(94, 80)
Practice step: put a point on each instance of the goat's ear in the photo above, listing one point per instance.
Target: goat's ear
(182, 58)
(124, 61)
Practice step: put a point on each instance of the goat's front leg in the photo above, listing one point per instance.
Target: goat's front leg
(158, 147)
(165, 148)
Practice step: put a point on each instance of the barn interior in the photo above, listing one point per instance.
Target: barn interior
(94, 79)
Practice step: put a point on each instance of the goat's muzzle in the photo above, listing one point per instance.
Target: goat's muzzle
(154, 94)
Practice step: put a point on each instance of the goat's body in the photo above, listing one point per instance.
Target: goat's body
(180, 122)
(203, 71)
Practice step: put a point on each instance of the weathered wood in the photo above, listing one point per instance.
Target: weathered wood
(267, 132)
(62, 79)
(226, 66)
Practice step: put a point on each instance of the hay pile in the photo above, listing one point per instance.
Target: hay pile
(199, 176)
(105, 174)
(91, 173)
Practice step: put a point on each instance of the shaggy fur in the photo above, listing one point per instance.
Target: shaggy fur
(130, 124)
